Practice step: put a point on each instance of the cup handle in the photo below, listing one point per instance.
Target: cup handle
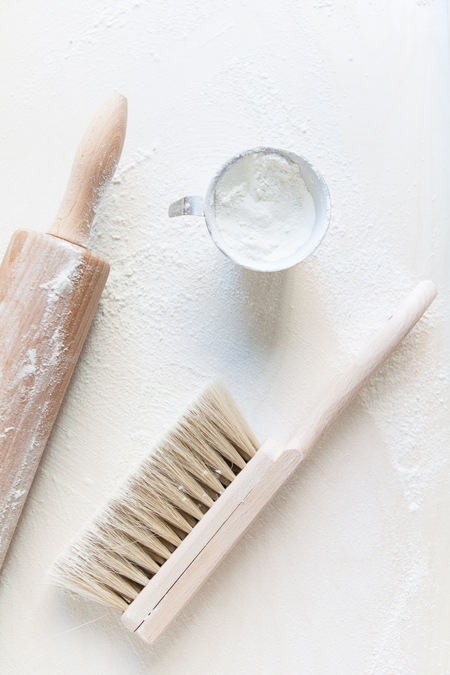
(187, 206)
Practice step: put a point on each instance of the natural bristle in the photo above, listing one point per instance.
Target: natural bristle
(126, 543)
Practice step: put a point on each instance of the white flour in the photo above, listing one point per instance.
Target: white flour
(263, 208)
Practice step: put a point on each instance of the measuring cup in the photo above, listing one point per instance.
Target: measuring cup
(197, 206)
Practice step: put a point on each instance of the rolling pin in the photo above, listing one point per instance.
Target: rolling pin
(50, 286)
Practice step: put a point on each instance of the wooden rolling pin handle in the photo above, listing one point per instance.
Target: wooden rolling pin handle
(93, 167)
(365, 365)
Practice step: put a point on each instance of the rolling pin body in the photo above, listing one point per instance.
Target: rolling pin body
(49, 291)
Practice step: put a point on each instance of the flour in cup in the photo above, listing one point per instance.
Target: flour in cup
(263, 208)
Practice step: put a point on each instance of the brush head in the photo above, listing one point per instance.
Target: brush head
(160, 502)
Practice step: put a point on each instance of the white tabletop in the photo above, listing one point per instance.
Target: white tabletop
(347, 570)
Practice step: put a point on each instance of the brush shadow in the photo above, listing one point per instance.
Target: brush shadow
(105, 625)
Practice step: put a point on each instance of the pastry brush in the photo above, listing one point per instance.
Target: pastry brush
(50, 286)
(176, 516)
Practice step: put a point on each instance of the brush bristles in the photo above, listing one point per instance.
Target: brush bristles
(126, 543)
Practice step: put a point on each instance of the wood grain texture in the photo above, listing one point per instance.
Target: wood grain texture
(49, 291)
(218, 531)
(93, 167)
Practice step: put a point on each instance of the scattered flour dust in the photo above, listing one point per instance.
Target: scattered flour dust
(263, 208)
(62, 283)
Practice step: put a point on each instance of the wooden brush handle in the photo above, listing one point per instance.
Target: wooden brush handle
(363, 367)
(221, 527)
(93, 167)
(49, 292)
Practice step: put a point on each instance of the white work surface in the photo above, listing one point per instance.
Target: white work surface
(347, 571)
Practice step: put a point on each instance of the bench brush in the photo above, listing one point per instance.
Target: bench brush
(175, 517)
